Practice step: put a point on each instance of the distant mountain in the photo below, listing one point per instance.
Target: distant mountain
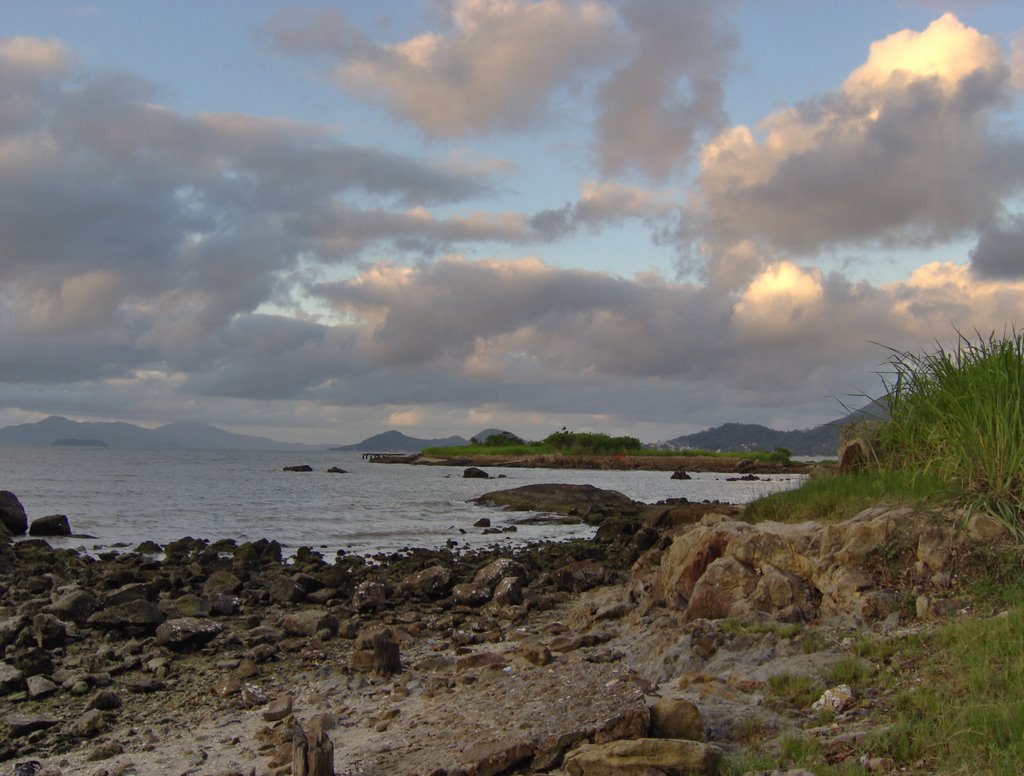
(174, 436)
(397, 442)
(820, 440)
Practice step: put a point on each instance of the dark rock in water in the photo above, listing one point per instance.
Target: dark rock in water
(148, 547)
(12, 514)
(186, 634)
(744, 478)
(301, 468)
(680, 474)
(474, 473)
(483, 522)
(51, 525)
(584, 500)
(336, 470)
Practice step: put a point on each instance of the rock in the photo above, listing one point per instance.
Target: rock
(495, 571)
(676, 718)
(90, 724)
(310, 622)
(474, 473)
(278, 709)
(489, 759)
(73, 605)
(835, 699)
(187, 605)
(483, 522)
(105, 751)
(680, 474)
(858, 444)
(563, 499)
(336, 470)
(369, 596)
(985, 528)
(643, 757)
(471, 594)
(536, 654)
(105, 700)
(934, 546)
(508, 592)
(12, 679)
(299, 468)
(39, 687)
(579, 576)
(186, 634)
(11, 628)
(51, 525)
(12, 514)
(222, 581)
(284, 590)
(48, 631)
(20, 725)
(133, 591)
(136, 617)
(429, 584)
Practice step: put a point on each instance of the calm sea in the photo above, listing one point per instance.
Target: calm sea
(127, 496)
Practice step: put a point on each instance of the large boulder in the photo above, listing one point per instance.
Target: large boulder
(429, 583)
(583, 500)
(51, 525)
(138, 617)
(186, 634)
(723, 567)
(12, 514)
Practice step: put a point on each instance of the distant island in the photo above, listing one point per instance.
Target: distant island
(397, 442)
(80, 443)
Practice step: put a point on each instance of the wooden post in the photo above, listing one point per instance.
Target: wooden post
(386, 660)
(321, 755)
(300, 749)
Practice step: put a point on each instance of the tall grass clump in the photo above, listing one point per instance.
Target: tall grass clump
(957, 414)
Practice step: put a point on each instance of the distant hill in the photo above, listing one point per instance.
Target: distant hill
(174, 436)
(397, 442)
(820, 440)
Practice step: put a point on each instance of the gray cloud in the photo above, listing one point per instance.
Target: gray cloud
(1000, 250)
(653, 108)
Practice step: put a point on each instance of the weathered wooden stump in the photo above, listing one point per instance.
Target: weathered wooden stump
(313, 754)
(386, 659)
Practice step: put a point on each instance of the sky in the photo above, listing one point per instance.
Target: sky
(315, 222)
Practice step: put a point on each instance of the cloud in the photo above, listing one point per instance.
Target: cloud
(1000, 250)
(496, 68)
(905, 153)
(653, 108)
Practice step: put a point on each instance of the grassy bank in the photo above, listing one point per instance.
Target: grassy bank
(938, 698)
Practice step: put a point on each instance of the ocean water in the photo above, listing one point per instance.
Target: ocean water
(122, 497)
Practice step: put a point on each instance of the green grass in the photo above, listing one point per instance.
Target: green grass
(837, 496)
(961, 707)
(957, 415)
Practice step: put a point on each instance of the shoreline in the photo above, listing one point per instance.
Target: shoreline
(721, 465)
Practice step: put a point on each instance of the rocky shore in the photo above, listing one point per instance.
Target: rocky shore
(649, 650)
